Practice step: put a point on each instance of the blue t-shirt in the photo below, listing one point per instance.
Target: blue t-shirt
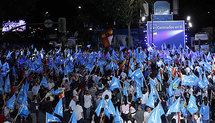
(206, 111)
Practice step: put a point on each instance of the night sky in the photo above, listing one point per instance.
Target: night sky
(202, 12)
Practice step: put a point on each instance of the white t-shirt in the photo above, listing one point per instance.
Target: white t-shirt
(107, 92)
(146, 117)
(50, 85)
(144, 98)
(123, 75)
(72, 104)
(78, 110)
(75, 93)
(87, 101)
(35, 89)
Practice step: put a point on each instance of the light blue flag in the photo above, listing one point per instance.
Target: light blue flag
(176, 81)
(138, 82)
(24, 109)
(22, 95)
(107, 113)
(202, 84)
(111, 108)
(1, 85)
(43, 82)
(7, 84)
(192, 107)
(8, 57)
(118, 118)
(184, 110)
(111, 65)
(125, 92)
(151, 81)
(108, 57)
(138, 73)
(59, 108)
(122, 57)
(140, 65)
(101, 70)
(159, 77)
(28, 53)
(10, 102)
(170, 80)
(51, 118)
(207, 66)
(90, 67)
(132, 65)
(139, 92)
(190, 80)
(130, 73)
(100, 106)
(115, 83)
(35, 50)
(5, 69)
(202, 109)
(155, 116)
(160, 109)
(16, 54)
(73, 118)
(151, 101)
(170, 90)
(175, 107)
(102, 62)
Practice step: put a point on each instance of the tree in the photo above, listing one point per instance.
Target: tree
(127, 12)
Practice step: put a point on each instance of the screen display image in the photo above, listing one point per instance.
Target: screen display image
(7, 26)
(167, 33)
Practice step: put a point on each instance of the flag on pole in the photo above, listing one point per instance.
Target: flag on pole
(7, 84)
(51, 118)
(192, 107)
(111, 108)
(118, 118)
(24, 109)
(115, 83)
(175, 107)
(155, 116)
(73, 118)
(159, 77)
(151, 101)
(10, 102)
(1, 85)
(107, 38)
(100, 106)
(59, 108)
(44, 82)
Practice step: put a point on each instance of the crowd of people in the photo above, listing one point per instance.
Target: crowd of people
(136, 82)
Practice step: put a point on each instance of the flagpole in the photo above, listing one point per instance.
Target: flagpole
(161, 105)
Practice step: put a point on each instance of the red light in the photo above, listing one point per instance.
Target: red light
(41, 29)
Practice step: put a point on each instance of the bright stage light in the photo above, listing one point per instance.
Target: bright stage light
(190, 24)
(188, 18)
(143, 18)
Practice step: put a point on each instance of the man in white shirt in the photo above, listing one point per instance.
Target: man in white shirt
(72, 103)
(35, 89)
(79, 112)
(87, 104)
(144, 100)
(147, 114)
(107, 92)
(50, 84)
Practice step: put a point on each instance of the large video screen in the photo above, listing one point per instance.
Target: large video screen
(7, 26)
(166, 33)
